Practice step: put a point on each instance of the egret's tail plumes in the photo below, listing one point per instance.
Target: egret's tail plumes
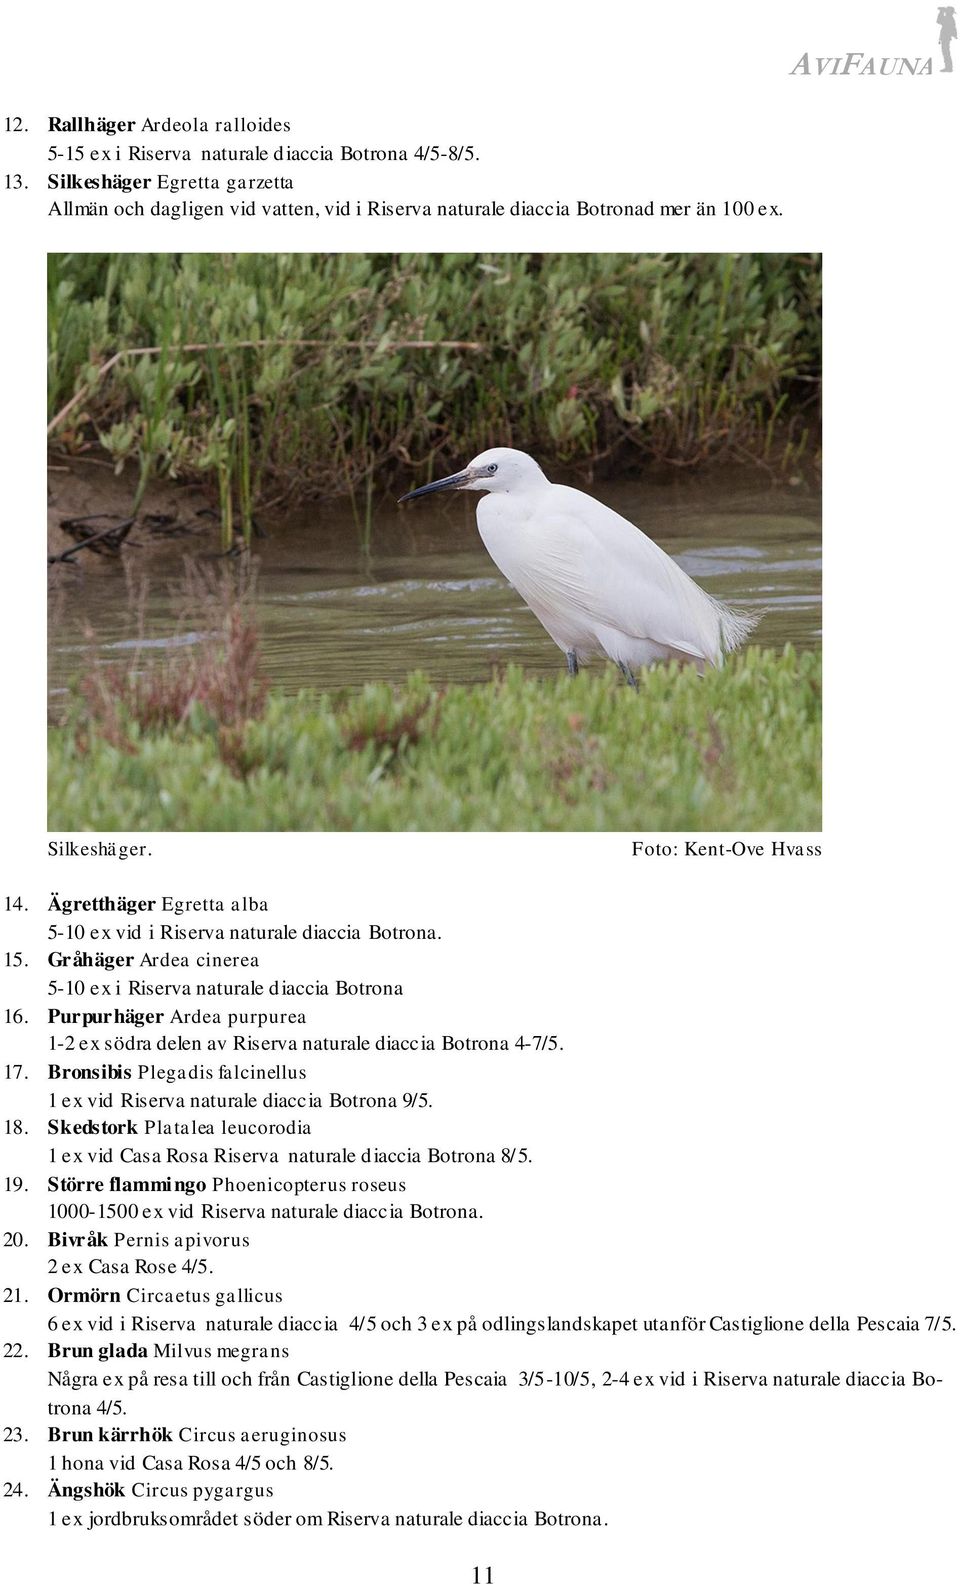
(735, 625)
(695, 624)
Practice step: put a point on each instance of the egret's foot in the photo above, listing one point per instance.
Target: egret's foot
(628, 675)
(572, 665)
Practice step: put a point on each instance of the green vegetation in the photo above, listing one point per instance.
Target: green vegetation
(737, 749)
(286, 376)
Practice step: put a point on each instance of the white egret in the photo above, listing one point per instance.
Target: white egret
(595, 582)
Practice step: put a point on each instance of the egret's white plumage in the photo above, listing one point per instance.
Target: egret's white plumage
(598, 584)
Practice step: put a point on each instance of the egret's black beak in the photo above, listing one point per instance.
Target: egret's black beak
(455, 481)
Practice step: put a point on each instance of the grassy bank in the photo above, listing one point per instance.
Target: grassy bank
(284, 376)
(738, 749)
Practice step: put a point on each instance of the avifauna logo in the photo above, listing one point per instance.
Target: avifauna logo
(857, 63)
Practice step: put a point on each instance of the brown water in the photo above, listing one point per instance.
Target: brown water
(428, 597)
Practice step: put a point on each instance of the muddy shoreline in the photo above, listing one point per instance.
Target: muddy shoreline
(186, 520)
(89, 488)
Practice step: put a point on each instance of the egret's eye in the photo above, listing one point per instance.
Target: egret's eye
(491, 467)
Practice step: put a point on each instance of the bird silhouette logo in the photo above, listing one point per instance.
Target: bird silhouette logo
(947, 23)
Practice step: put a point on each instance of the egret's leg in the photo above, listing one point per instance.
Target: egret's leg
(627, 673)
(572, 666)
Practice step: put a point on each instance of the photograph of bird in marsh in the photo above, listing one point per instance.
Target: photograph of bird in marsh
(597, 583)
(247, 634)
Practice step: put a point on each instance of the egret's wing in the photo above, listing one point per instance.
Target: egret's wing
(616, 576)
